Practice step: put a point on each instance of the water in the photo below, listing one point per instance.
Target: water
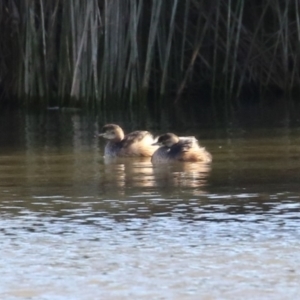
(75, 226)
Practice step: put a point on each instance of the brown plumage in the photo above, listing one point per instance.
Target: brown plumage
(184, 149)
(137, 143)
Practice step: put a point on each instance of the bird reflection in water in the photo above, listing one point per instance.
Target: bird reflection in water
(183, 175)
(126, 173)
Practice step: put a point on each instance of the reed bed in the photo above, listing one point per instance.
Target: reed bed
(118, 52)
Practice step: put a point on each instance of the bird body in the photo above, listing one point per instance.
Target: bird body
(174, 148)
(135, 144)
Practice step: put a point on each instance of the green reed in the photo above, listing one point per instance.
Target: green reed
(118, 52)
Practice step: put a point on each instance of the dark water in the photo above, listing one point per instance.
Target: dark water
(75, 226)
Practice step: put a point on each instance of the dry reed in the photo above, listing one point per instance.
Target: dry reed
(115, 52)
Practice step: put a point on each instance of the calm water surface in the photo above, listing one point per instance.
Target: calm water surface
(75, 226)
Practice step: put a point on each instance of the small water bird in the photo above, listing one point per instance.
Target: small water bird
(135, 144)
(174, 148)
